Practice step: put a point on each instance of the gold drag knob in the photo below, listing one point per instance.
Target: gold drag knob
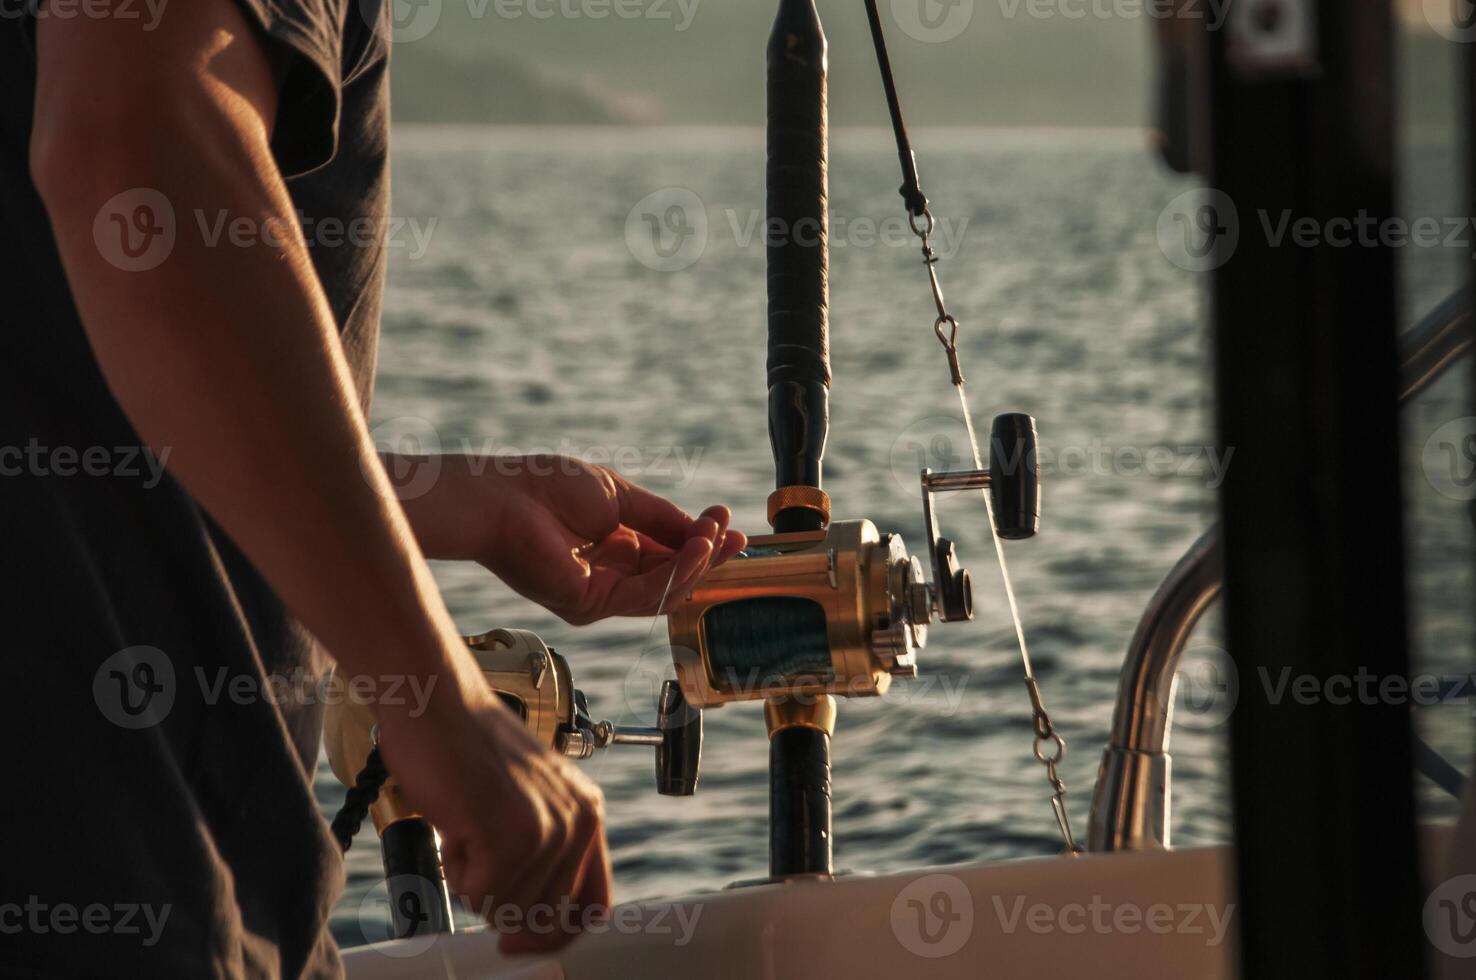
(810, 498)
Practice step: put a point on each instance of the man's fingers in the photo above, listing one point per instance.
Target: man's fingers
(639, 595)
(569, 880)
(733, 542)
(646, 512)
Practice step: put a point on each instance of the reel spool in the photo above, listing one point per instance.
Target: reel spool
(846, 609)
(839, 611)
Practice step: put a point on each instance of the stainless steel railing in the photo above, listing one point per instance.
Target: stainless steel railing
(1132, 803)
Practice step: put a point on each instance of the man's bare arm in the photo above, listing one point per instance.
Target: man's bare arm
(229, 356)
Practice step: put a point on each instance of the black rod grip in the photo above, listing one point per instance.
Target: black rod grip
(419, 901)
(797, 228)
(799, 802)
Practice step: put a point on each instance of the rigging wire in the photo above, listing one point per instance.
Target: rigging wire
(1049, 748)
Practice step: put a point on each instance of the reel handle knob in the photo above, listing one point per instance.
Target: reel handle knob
(955, 590)
(1014, 476)
(679, 756)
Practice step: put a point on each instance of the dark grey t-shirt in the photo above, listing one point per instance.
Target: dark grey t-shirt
(157, 817)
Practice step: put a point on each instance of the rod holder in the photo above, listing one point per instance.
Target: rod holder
(420, 903)
(800, 840)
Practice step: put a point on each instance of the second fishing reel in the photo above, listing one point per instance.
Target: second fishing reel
(536, 684)
(845, 609)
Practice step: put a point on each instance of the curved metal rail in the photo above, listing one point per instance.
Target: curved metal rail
(1131, 805)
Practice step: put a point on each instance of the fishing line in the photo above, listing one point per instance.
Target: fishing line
(1004, 567)
(660, 606)
(1049, 748)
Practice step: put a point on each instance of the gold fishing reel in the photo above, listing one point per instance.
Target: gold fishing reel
(535, 683)
(839, 611)
(846, 609)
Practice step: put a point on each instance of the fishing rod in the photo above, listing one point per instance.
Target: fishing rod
(818, 609)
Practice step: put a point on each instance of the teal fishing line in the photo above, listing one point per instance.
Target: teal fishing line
(768, 638)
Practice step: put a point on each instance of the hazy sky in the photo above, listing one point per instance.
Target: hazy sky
(963, 62)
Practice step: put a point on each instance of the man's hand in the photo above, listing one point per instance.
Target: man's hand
(576, 538)
(522, 830)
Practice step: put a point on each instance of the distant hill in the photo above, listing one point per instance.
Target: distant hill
(492, 61)
(479, 66)
(491, 88)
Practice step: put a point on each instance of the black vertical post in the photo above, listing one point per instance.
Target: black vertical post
(796, 233)
(1466, 114)
(1311, 508)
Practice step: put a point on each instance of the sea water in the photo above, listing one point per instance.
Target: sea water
(600, 292)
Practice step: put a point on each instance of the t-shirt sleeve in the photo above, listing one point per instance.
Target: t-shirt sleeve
(310, 35)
